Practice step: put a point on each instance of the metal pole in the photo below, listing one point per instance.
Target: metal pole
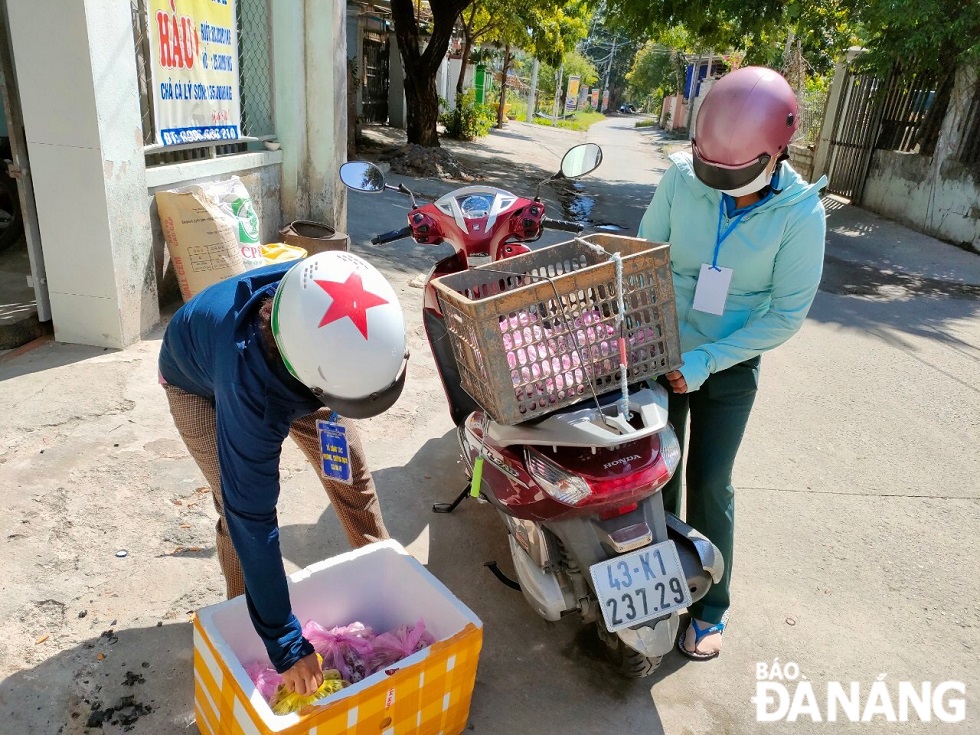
(554, 109)
(612, 54)
(532, 101)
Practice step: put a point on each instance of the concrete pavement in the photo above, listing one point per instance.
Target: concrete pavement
(858, 513)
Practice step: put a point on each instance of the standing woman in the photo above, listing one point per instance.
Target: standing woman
(742, 288)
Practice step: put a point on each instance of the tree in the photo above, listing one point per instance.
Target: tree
(824, 27)
(546, 29)
(657, 71)
(927, 39)
(421, 65)
(925, 35)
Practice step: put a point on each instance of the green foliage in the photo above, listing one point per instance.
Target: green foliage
(657, 71)
(924, 35)
(612, 53)
(579, 121)
(547, 28)
(575, 64)
(761, 28)
(648, 123)
(469, 120)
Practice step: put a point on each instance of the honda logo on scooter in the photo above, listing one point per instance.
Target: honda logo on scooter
(621, 460)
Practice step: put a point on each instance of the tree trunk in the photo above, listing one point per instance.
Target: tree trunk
(421, 67)
(503, 88)
(423, 109)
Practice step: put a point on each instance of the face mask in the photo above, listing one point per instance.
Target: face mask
(759, 182)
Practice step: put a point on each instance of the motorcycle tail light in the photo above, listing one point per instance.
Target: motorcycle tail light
(621, 511)
(554, 480)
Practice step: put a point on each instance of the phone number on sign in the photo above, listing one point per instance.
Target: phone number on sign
(198, 135)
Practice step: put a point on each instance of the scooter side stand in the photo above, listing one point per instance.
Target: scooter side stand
(450, 507)
(491, 565)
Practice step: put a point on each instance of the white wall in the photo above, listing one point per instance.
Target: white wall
(76, 68)
(397, 106)
(76, 71)
(899, 187)
(310, 70)
(933, 194)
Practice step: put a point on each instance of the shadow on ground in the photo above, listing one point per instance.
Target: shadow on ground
(564, 657)
(895, 282)
(140, 685)
(46, 358)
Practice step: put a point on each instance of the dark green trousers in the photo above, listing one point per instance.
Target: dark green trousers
(718, 413)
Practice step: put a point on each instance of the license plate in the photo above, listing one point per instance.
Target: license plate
(644, 584)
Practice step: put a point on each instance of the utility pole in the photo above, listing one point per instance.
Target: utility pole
(612, 55)
(554, 109)
(532, 101)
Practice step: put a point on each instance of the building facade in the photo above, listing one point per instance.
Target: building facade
(88, 158)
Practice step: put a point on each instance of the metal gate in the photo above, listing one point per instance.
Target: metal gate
(853, 139)
(374, 79)
(890, 114)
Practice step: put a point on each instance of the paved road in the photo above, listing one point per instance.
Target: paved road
(858, 514)
(858, 493)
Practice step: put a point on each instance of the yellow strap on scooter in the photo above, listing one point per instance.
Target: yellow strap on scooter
(477, 480)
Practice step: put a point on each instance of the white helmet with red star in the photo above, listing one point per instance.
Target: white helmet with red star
(341, 332)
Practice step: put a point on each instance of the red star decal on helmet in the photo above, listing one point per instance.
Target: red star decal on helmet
(349, 300)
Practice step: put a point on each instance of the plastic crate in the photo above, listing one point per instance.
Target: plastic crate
(530, 332)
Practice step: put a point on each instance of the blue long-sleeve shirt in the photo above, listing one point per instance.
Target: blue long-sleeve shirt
(212, 348)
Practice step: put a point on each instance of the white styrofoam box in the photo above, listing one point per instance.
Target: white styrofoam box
(380, 585)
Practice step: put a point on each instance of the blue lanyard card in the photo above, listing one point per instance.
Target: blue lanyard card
(334, 451)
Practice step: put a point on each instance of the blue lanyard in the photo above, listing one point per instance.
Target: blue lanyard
(722, 235)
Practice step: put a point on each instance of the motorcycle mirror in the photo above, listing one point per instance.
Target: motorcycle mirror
(581, 160)
(362, 176)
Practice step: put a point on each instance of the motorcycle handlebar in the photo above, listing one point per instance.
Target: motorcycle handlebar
(560, 224)
(391, 236)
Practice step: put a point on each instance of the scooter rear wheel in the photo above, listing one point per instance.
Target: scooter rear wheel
(628, 663)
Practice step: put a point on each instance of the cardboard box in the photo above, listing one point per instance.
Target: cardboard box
(380, 585)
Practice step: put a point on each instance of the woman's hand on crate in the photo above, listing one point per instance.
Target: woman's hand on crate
(677, 382)
(305, 677)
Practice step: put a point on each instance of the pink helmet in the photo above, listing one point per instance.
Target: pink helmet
(747, 118)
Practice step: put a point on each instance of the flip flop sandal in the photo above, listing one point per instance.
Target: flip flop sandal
(699, 634)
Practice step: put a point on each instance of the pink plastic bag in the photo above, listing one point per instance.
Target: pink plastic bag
(345, 648)
(265, 678)
(389, 648)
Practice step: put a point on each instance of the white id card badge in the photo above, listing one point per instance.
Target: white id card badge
(712, 289)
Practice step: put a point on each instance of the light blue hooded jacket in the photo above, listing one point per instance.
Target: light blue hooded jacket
(775, 253)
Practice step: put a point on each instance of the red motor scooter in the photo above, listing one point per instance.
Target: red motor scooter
(577, 483)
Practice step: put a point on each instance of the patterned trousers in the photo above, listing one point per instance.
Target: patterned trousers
(356, 504)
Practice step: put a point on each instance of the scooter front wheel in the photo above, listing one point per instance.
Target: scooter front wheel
(629, 663)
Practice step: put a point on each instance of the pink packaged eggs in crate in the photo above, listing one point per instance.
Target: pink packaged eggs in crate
(563, 355)
(540, 331)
